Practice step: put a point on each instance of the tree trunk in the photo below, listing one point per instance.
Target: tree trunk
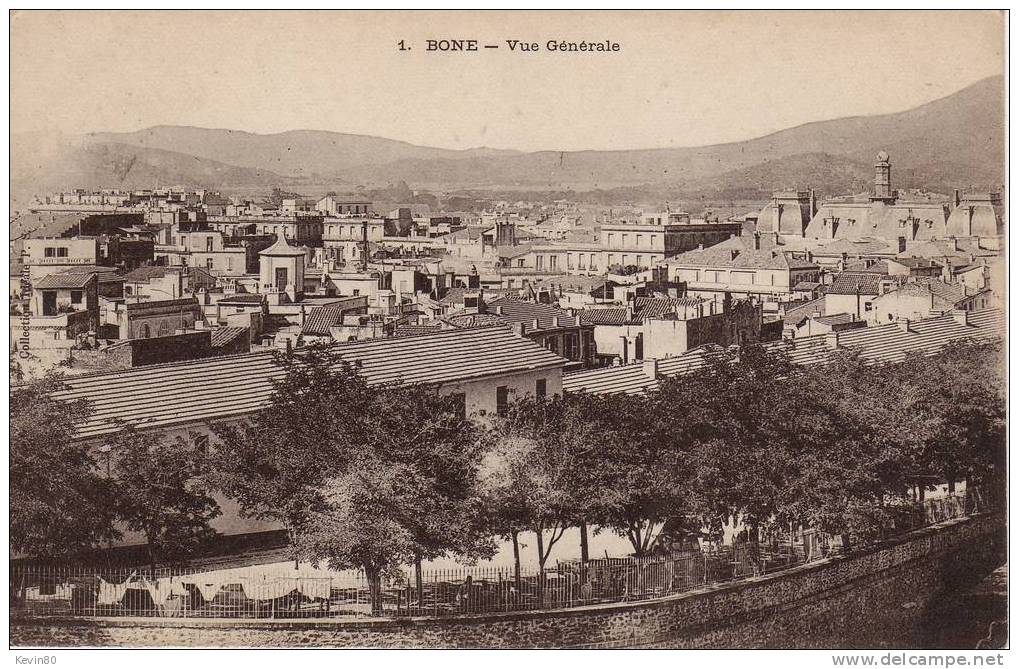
(951, 485)
(374, 590)
(418, 580)
(583, 543)
(541, 566)
(516, 560)
(152, 559)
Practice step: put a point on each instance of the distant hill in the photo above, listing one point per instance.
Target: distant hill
(956, 141)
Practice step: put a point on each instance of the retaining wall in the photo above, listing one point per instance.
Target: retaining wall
(878, 596)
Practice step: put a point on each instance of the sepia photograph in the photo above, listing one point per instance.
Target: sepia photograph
(490, 329)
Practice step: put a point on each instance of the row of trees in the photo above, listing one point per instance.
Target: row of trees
(381, 477)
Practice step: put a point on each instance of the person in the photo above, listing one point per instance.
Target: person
(463, 594)
(586, 590)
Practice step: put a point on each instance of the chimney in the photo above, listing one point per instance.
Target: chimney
(518, 328)
(535, 325)
(956, 197)
(625, 349)
(498, 310)
(629, 313)
(902, 244)
(555, 322)
(650, 366)
(831, 339)
(960, 316)
(903, 324)
(757, 242)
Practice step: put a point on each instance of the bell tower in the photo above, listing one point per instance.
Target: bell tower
(883, 179)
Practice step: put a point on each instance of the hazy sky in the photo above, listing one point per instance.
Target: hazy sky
(679, 79)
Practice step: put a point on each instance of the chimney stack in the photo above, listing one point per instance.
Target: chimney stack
(831, 339)
(903, 324)
(555, 322)
(757, 241)
(535, 324)
(960, 316)
(650, 366)
(518, 328)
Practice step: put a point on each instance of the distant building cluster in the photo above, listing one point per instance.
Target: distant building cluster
(109, 279)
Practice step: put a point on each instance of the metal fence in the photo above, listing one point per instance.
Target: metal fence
(286, 591)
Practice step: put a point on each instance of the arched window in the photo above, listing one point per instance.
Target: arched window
(145, 332)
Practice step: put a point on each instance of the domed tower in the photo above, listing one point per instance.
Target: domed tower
(883, 179)
(281, 270)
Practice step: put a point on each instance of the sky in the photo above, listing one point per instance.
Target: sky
(678, 79)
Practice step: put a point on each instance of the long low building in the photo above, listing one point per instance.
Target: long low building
(487, 364)
(890, 342)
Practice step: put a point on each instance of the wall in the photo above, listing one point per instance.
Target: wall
(481, 393)
(880, 595)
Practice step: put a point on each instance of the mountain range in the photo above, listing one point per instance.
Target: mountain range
(955, 141)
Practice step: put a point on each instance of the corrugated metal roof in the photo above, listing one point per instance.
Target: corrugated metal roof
(881, 343)
(223, 336)
(202, 390)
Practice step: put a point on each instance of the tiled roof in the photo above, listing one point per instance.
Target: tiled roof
(411, 330)
(856, 247)
(867, 267)
(879, 220)
(105, 274)
(738, 253)
(223, 336)
(61, 280)
(806, 285)
(835, 319)
(880, 343)
(606, 316)
(658, 307)
(795, 314)
(242, 298)
(509, 310)
(321, 319)
(643, 308)
(229, 386)
(453, 296)
(850, 283)
(951, 293)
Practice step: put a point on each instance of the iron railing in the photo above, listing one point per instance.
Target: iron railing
(286, 591)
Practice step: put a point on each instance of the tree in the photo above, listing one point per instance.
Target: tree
(640, 467)
(363, 476)
(57, 496)
(958, 400)
(160, 492)
(536, 465)
(275, 464)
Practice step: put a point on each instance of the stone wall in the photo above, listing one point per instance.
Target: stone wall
(880, 594)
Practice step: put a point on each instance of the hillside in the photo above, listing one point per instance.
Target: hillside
(956, 141)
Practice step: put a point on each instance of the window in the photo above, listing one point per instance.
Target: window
(76, 296)
(49, 252)
(553, 262)
(502, 400)
(639, 240)
(208, 243)
(539, 388)
(208, 263)
(580, 261)
(520, 263)
(593, 264)
(229, 264)
(539, 262)
(146, 332)
(62, 252)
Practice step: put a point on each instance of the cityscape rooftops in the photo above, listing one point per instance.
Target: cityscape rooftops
(229, 386)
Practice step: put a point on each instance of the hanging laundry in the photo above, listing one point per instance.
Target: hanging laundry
(113, 593)
(269, 588)
(314, 588)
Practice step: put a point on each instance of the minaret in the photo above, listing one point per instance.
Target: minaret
(883, 179)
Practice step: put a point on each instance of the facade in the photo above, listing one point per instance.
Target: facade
(158, 318)
(52, 254)
(344, 238)
(659, 236)
(332, 205)
(753, 266)
(281, 271)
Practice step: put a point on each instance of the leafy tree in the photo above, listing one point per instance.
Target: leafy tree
(640, 467)
(275, 464)
(536, 464)
(160, 492)
(57, 496)
(370, 477)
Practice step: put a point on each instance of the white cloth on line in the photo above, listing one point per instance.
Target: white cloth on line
(314, 588)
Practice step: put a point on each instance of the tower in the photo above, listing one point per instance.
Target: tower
(281, 270)
(883, 179)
